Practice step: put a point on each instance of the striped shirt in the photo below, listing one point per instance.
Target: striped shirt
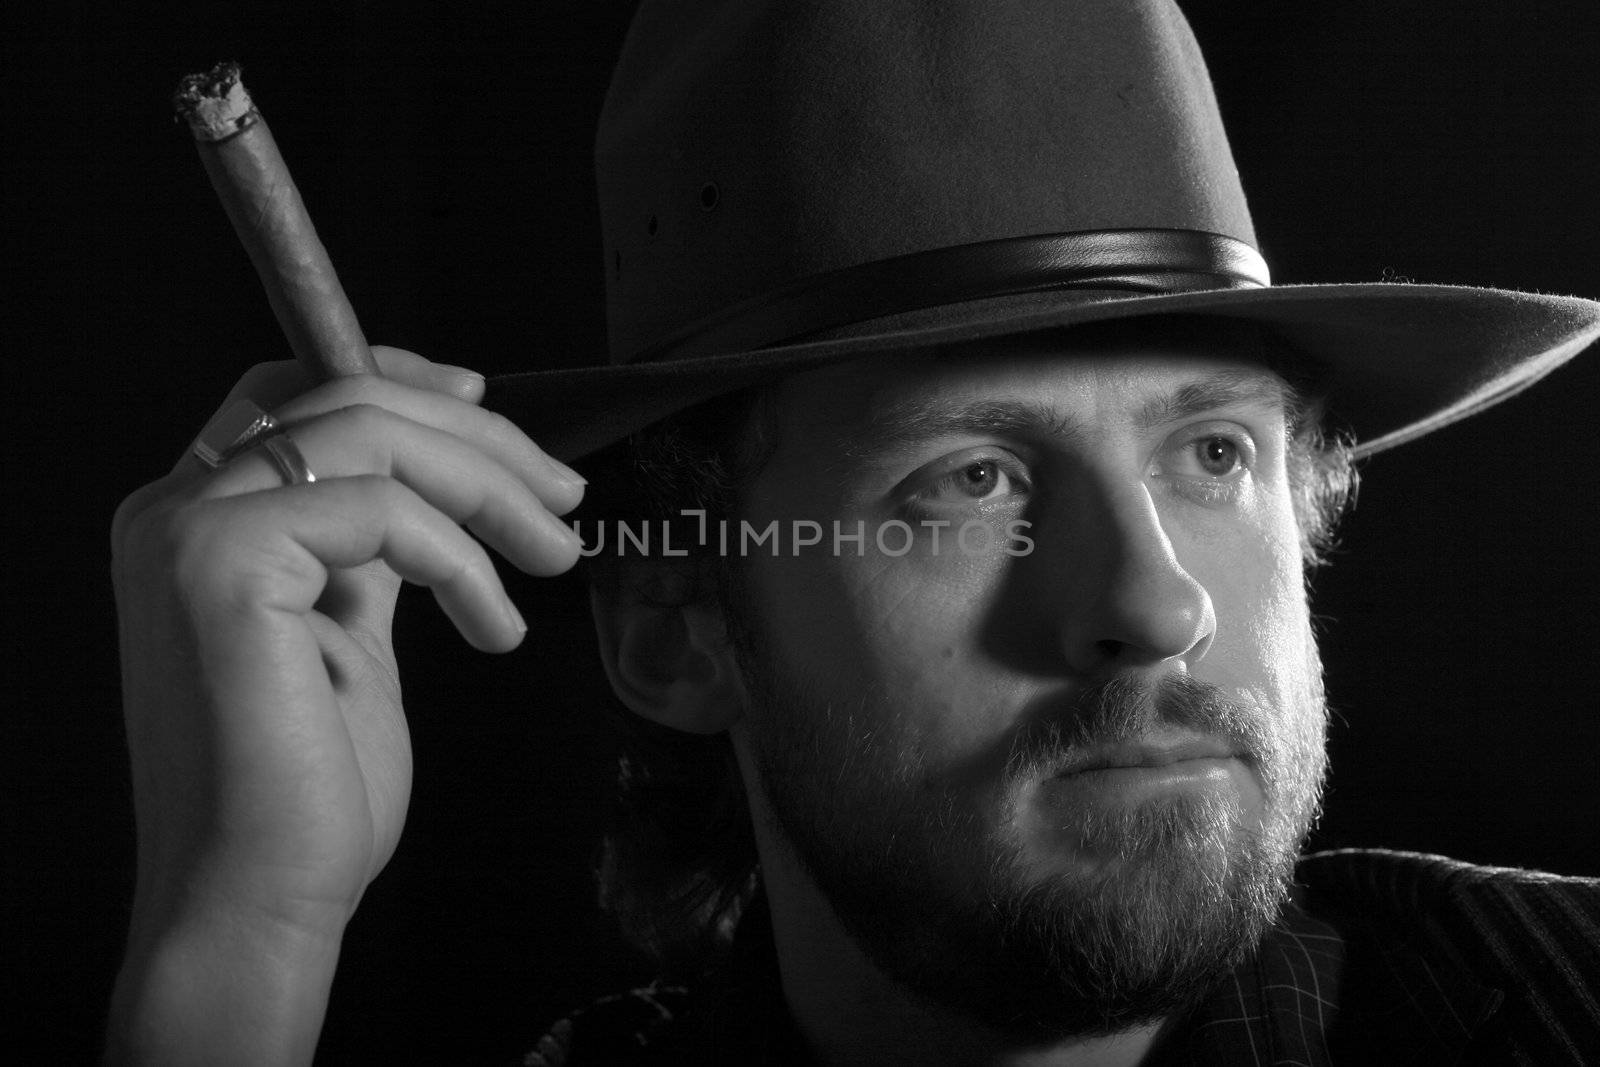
(1384, 957)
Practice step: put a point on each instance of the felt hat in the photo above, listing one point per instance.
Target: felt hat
(788, 183)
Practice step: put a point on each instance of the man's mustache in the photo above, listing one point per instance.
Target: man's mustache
(1124, 710)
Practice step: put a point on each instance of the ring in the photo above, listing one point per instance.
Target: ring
(230, 432)
(287, 457)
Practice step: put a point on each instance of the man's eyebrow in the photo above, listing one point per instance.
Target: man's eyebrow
(908, 423)
(1219, 389)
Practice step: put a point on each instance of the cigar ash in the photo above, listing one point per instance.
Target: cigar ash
(215, 103)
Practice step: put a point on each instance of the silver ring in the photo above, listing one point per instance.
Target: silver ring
(231, 431)
(287, 457)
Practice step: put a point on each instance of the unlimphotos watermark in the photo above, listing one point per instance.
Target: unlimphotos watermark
(895, 537)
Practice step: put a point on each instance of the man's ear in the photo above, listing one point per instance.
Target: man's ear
(668, 660)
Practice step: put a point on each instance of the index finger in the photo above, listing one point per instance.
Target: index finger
(266, 387)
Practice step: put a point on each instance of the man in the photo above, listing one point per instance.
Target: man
(1029, 793)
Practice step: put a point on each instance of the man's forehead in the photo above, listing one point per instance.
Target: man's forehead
(1024, 387)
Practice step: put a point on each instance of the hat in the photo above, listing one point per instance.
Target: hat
(789, 183)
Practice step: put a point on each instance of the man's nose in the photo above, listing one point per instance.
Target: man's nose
(1128, 600)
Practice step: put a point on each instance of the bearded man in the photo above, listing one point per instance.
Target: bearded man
(980, 716)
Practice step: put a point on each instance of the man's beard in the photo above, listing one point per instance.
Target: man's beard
(936, 888)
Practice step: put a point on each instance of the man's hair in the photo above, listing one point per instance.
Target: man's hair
(678, 862)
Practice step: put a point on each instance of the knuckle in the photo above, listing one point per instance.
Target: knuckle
(472, 567)
(458, 574)
(380, 492)
(124, 521)
(222, 564)
(367, 417)
(149, 534)
(380, 496)
(166, 551)
(362, 431)
(195, 546)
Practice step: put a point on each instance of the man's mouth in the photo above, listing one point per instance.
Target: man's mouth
(1149, 753)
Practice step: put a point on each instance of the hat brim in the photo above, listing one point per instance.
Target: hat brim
(1394, 361)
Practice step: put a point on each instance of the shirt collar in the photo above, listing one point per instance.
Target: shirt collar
(1315, 993)
(1312, 994)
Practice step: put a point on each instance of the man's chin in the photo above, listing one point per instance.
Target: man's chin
(1177, 893)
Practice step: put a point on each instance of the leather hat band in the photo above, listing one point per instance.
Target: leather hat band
(1141, 261)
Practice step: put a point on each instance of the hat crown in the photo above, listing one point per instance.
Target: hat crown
(746, 144)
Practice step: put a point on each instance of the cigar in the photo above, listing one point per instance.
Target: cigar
(253, 183)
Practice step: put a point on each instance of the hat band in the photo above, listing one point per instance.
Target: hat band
(1142, 261)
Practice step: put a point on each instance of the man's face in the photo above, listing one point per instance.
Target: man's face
(1048, 737)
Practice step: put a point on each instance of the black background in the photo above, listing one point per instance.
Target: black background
(444, 151)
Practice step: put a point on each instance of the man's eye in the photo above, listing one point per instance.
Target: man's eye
(1218, 455)
(977, 480)
(1215, 453)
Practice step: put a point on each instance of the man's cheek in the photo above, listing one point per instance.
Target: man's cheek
(846, 620)
(1258, 593)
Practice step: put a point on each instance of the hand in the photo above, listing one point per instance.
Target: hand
(271, 763)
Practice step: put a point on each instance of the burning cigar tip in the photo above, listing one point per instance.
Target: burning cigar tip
(252, 181)
(215, 103)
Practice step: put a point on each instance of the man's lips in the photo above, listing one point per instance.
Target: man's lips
(1148, 753)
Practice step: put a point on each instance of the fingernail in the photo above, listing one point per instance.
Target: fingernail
(570, 535)
(516, 617)
(565, 474)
